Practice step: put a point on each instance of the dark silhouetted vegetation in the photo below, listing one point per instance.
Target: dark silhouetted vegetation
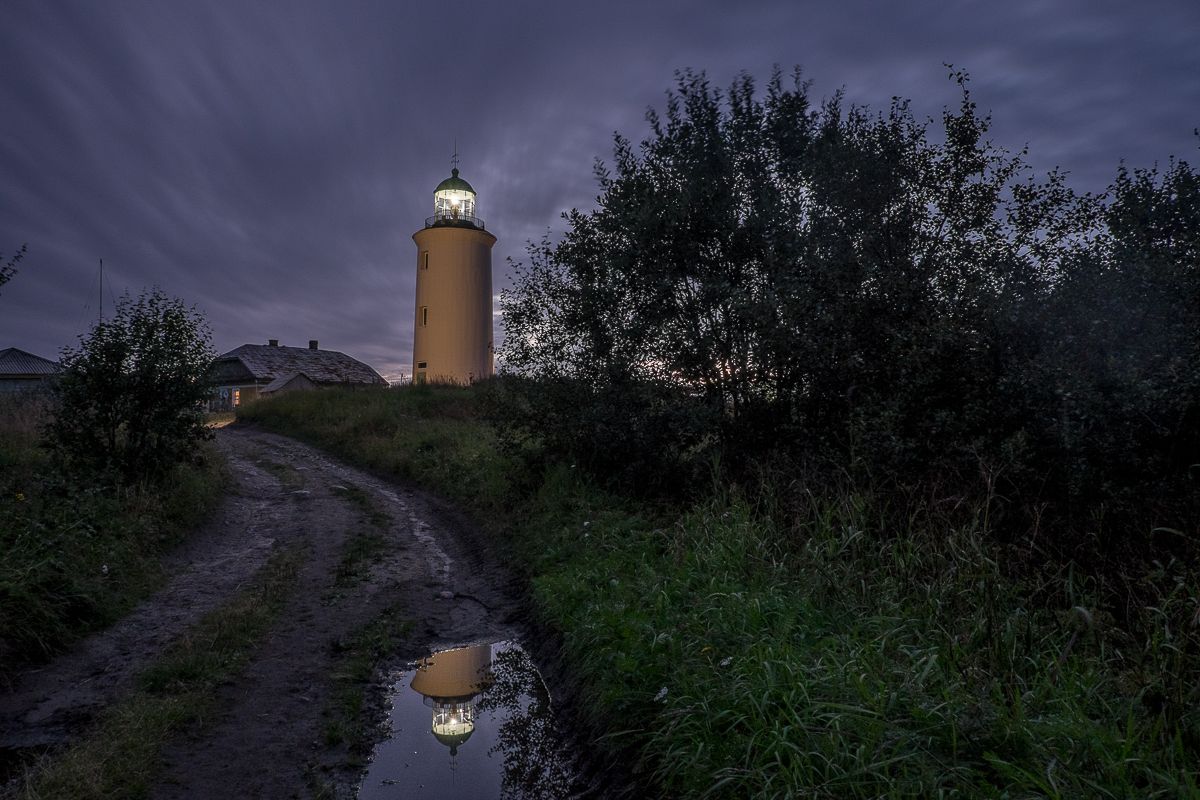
(849, 296)
(78, 551)
(101, 476)
(9, 268)
(963, 404)
(130, 396)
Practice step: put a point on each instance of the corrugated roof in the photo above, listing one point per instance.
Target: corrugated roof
(18, 362)
(266, 363)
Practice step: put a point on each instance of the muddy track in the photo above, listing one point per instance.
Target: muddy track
(265, 739)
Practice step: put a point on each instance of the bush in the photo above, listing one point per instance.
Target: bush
(131, 394)
(861, 295)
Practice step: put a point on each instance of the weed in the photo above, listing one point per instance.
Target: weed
(347, 719)
(757, 648)
(119, 756)
(79, 553)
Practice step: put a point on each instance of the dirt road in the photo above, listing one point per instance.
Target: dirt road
(266, 741)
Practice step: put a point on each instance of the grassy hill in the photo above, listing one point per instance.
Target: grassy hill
(788, 643)
(78, 552)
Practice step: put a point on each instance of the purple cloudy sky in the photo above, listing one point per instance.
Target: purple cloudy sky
(269, 162)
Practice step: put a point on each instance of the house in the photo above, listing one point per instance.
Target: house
(254, 370)
(20, 371)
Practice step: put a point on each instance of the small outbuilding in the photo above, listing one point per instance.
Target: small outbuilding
(255, 370)
(292, 382)
(21, 371)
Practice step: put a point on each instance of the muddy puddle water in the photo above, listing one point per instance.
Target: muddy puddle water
(470, 722)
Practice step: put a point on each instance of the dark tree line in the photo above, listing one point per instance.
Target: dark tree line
(865, 294)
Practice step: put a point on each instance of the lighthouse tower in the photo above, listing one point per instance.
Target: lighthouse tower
(452, 336)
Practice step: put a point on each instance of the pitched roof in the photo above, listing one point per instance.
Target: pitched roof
(18, 362)
(268, 362)
(284, 380)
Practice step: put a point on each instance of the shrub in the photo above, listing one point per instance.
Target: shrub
(130, 395)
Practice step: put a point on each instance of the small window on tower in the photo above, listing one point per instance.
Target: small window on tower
(421, 364)
(424, 316)
(425, 260)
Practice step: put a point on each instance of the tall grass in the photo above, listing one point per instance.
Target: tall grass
(78, 552)
(752, 647)
(120, 757)
(428, 434)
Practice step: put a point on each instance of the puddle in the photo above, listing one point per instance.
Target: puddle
(471, 722)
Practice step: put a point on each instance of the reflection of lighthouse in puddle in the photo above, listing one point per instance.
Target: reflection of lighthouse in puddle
(450, 681)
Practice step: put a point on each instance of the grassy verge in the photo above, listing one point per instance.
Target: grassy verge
(79, 555)
(362, 543)
(743, 650)
(429, 435)
(119, 757)
(347, 721)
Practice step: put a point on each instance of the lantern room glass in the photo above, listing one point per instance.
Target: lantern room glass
(454, 204)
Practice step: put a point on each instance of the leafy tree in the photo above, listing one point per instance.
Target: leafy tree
(9, 269)
(763, 271)
(1123, 347)
(865, 295)
(131, 394)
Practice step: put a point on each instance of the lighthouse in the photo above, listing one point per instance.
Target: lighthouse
(452, 333)
(450, 680)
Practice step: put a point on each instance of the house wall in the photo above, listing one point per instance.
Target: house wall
(229, 397)
(39, 383)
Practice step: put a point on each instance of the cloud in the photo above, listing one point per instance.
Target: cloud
(271, 167)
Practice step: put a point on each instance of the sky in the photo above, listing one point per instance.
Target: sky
(269, 162)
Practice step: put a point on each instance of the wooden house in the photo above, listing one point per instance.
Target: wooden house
(21, 371)
(255, 370)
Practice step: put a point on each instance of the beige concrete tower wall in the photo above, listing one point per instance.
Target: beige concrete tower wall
(453, 332)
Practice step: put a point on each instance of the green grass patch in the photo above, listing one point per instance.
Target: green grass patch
(119, 758)
(363, 542)
(740, 649)
(288, 476)
(78, 553)
(427, 434)
(347, 719)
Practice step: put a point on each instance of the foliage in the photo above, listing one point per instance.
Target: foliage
(7, 270)
(131, 393)
(428, 433)
(1120, 374)
(768, 280)
(120, 755)
(78, 555)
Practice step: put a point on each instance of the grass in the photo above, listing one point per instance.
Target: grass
(78, 554)
(362, 543)
(119, 758)
(347, 720)
(752, 648)
(427, 434)
(287, 475)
